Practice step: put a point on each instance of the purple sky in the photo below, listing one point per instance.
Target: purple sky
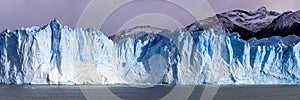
(25, 13)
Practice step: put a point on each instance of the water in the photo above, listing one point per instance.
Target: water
(100, 92)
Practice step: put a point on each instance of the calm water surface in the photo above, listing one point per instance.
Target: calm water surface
(100, 92)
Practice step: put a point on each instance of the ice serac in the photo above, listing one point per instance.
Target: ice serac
(56, 54)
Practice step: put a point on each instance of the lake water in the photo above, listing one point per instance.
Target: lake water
(104, 92)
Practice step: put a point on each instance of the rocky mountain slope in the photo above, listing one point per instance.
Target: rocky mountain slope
(260, 23)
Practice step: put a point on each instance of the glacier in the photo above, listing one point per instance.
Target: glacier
(56, 54)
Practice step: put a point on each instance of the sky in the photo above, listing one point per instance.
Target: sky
(25, 13)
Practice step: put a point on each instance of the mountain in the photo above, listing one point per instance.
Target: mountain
(286, 24)
(57, 54)
(134, 32)
(260, 23)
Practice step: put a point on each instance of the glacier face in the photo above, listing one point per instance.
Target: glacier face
(56, 54)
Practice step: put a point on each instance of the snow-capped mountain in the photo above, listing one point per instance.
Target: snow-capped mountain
(260, 23)
(287, 23)
(134, 32)
(56, 54)
(252, 20)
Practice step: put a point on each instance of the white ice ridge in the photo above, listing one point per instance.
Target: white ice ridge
(56, 54)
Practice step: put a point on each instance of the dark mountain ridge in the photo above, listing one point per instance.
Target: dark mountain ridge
(260, 23)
